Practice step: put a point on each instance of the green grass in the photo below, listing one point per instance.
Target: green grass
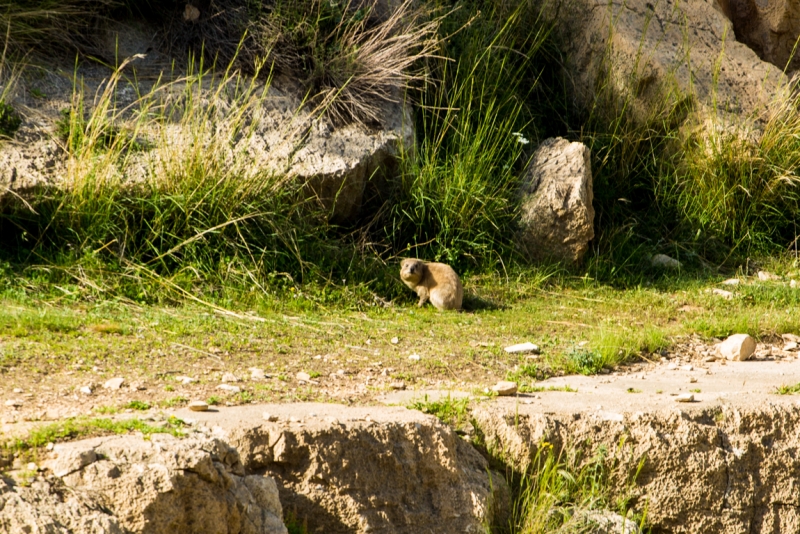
(558, 490)
(450, 411)
(525, 388)
(71, 429)
(138, 405)
(788, 389)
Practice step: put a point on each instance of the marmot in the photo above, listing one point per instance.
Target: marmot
(436, 282)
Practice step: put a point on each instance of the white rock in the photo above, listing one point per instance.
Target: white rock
(114, 383)
(504, 388)
(790, 337)
(303, 376)
(765, 276)
(17, 390)
(672, 367)
(230, 377)
(611, 416)
(722, 293)
(398, 385)
(395, 340)
(687, 368)
(257, 374)
(86, 390)
(662, 261)
(269, 417)
(738, 347)
(556, 216)
(793, 283)
(685, 397)
(229, 388)
(521, 348)
(731, 282)
(13, 403)
(414, 357)
(185, 380)
(198, 406)
(790, 346)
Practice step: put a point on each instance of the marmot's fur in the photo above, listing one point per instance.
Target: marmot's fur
(436, 282)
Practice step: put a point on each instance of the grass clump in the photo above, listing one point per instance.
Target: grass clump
(788, 389)
(76, 428)
(10, 120)
(450, 411)
(138, 405)
(564, 491)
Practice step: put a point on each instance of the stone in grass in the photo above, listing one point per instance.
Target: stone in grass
(305, 377)
(86, 390)
(731, 282)
(522, 348)
(765, 276)
(198, 406)
(230, 377)
(662, 261)
(738, 347)
(505, 388)
(722, 293)
(229, 388)
(114, 383)
(685, 397)
(257, 374)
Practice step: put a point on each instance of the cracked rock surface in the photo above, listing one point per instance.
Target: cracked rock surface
(128, 484)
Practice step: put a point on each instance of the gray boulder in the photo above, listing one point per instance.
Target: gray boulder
(557, 217)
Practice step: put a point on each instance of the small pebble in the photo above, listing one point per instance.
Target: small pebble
(722, 293)
(303, 376)
(17, 390)
(521, 348)
(685, 397)
(114, 383)
(504, 388)
(692, 380)
(229, 388)
(230, 377)
(269, 417)
(414, 357)
(86, 390)
(14, 403)
(395, 340)
(198, 406)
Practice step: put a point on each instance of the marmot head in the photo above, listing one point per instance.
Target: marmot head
(411, 270)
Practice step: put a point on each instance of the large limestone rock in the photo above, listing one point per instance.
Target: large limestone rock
(357, 470)
(770, 28)
(557, 217)
(273, 136)
(709, 469)
(657, 52)
(161, 485)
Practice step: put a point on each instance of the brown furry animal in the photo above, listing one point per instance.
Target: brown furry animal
(436, 282)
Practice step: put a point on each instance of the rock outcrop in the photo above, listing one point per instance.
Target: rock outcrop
(372, 470)
(665, 52)
(254, 132)
(128, 484)
(557, 217)
(717, 469)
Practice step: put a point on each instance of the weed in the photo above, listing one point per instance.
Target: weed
(245, 396)
(106, 410)
(788, 390)
(314, 374)
(633, 390)
(173, 402)
(213, 400)
(10, 120)
(696, 390)
(83, 427)
(585, 362)
(525, 388)
(138, 405)
(453, 412)
(169, 388)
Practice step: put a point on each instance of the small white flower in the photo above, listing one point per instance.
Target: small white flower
(521, 138)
